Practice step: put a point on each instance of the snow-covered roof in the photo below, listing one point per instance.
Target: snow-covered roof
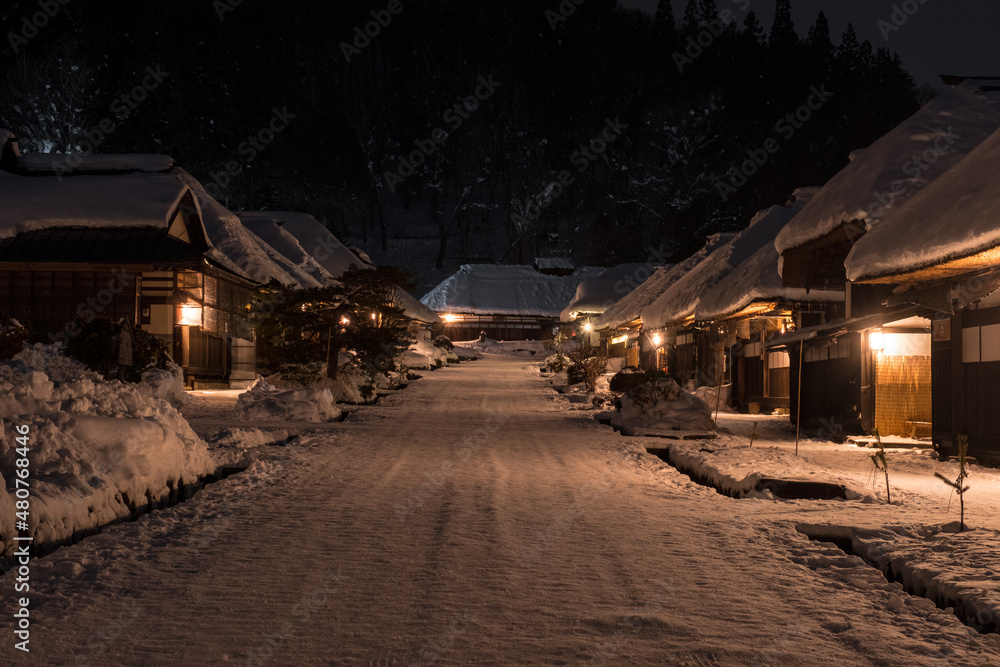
(682, 299)
(234, 246)
(596, 295)
(904, 161)
(314, 239)
(956, 216)
(415, 309)
(494, 289)
(630, 308)
(756, 278)
(287, 250)
(123, 200)
(63, 163)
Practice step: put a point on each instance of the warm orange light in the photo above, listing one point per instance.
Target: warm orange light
(449, 318)
(657, 340)
(344, 321)
(190, 316)
(587, 327)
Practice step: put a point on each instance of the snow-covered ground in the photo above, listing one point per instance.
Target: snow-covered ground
(475, 518)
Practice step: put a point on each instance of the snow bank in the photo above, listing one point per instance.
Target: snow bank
(668, 410)
(167, 384)
(895, 167)
(494, 289)
(265, 402)
(100, 451)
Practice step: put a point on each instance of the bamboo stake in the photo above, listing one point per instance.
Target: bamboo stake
(798, 406)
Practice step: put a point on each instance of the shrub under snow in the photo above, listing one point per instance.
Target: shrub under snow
(661, 406)
(265, 402)
(100, 450)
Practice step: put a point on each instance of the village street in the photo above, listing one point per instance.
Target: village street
(469, 519)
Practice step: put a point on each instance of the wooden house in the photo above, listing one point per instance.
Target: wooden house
(504, 302)
(750, 306)
(850, 383)
(941, 253)
(121, 236)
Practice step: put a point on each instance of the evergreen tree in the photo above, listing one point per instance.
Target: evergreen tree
(691, 18)
(783, 38)
(664, 26)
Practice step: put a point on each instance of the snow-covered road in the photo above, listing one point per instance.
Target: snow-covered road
(470, 519)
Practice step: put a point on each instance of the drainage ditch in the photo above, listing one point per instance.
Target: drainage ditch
(177, 493)
(980, 620)
(785, 489)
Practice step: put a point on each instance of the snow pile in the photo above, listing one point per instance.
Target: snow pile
(711, 397)
(955, 216)
(167, 384)
(494, 289)
(265, 402)
(899, 164)
(100, 451)
(662, 408)
(424, 355)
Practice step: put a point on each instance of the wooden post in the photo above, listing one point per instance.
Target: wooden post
(798, 405)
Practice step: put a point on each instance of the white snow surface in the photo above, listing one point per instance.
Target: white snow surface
(757, 279)
(123, 200)
(286, 251)
(949, 127)
(478, 518)
(630, 308)
(97, 449)
(682, 298)
(313, 238)
(596, 295)
(265, 402)
(678, 412)
(234, 246)
(500, 289)
(72, 163)
(955, 216)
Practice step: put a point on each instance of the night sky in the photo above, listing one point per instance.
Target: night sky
(956, 37)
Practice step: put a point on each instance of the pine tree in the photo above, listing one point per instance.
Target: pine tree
(665, 26)
(709, 11)
(783, 38)
(691, 23)
(820, 44)
(753, 31)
